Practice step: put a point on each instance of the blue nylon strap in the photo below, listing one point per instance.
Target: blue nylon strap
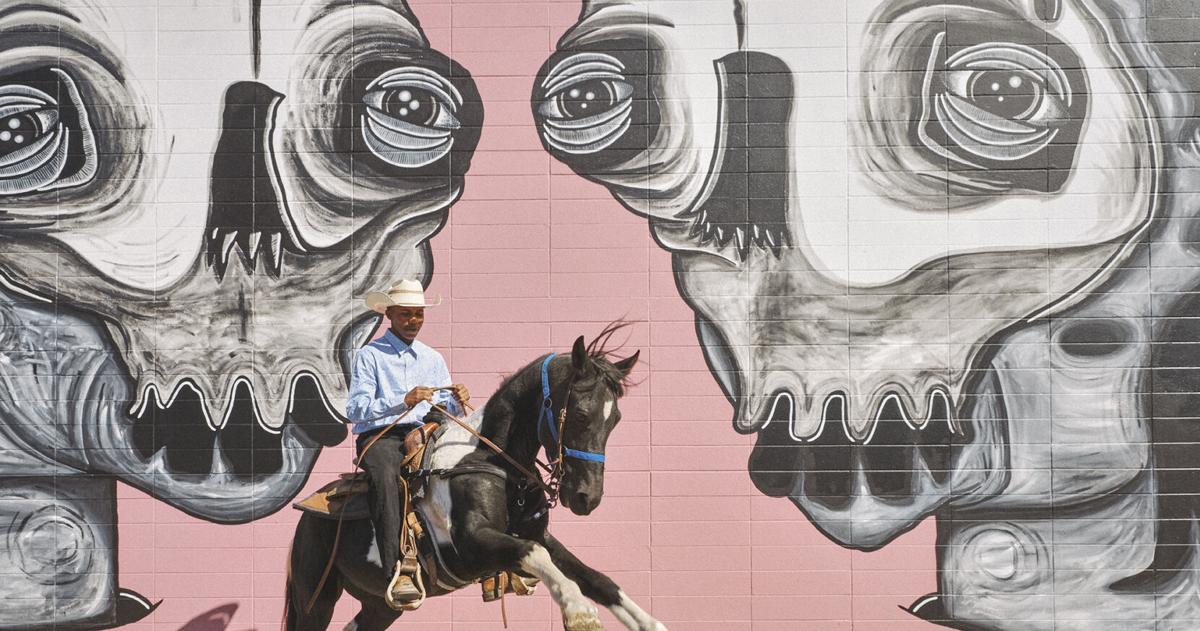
(547, 414)
(547, 417)
(583, 455)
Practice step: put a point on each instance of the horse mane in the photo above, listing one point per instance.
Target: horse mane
(601, 354)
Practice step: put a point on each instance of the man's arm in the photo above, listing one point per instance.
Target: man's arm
(363, 405)
(445, 398)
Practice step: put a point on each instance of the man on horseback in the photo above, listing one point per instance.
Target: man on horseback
(396, 381)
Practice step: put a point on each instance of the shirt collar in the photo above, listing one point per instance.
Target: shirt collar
(400, 345)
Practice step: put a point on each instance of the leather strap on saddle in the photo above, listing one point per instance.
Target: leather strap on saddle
(406, 591)
(496, 586)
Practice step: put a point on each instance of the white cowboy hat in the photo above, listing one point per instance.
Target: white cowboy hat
(406, 293)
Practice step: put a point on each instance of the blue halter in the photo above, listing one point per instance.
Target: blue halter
(547, 419)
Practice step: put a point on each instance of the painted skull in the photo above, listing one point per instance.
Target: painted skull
(915, 235)
(192, 202)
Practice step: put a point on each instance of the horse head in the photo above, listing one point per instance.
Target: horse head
(590, 384)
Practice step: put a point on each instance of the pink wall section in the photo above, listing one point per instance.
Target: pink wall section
(533, 256)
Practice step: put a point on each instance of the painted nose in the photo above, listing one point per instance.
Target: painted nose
(246, 202)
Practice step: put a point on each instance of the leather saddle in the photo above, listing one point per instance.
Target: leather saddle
(346, 499)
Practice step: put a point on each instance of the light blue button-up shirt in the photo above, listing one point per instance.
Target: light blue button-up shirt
(387, 369)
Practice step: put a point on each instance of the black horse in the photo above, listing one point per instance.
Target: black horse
(482, 513)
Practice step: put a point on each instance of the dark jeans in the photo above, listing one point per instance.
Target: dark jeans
(382, 464)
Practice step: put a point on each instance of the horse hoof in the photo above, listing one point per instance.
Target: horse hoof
(582, 621)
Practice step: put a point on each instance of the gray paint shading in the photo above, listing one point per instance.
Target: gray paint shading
(181, 271)
(974, 296)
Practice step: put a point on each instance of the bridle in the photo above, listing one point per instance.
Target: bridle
(546, 421)
(557, 451)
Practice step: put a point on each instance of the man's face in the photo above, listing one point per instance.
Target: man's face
(406, 321)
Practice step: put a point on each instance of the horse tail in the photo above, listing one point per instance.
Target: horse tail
(287, 621)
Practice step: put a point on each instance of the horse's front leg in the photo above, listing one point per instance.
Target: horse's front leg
(507, 552)
(601, 589)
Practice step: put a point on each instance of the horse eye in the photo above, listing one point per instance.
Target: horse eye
(587, 105)
(46, 143)
(995, 105)
(409, 119)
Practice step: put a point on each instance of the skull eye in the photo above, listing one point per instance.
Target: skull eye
(587, 103)
(998, 108)
(46, 142)
(409, 120)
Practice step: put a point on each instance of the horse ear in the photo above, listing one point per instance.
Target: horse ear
(579, 354)
(626, 365)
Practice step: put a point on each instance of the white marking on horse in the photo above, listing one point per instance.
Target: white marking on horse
(351, 626)
(633, 616)
(608, 408)
(453, 445)
(577, 610)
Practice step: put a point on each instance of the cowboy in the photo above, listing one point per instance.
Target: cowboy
(396, 381)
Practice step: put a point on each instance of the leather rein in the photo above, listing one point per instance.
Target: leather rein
(546, 422)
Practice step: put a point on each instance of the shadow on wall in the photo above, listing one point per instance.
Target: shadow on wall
(216, 619)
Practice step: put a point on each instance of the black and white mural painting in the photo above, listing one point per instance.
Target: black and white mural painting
(193, 199)
(943, 258)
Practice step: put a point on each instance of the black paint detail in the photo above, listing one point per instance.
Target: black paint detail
(828, 476)
(739, 19)
(749, 199)
(1044, 170)
(892, 459)
(249, 450)
(1094, 337)
(776, 458)
(348, 137)
(256, 34)
(52, 84)
(181, 429)
(939, 444)
(246, 211)
(889, 459)
(310, 413)
(930, 608)
(1049, 11)
(643, 70)
(1173, 382)
(131, 607)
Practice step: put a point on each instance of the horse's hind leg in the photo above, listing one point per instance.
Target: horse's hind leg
(301, 618)
(311, 550)
(374, 616)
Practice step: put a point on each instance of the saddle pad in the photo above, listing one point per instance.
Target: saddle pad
(344, 498)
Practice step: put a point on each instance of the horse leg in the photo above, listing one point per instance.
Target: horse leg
(373, 616)
(317, 618)
(311, 547)
(601, 589)
(506, 552)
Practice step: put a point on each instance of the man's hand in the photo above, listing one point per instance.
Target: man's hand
(461, 393)
(417, 395)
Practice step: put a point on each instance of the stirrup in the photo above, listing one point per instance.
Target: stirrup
(406, 591)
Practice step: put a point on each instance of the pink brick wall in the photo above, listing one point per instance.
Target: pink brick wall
(983, 203)
(534, 256)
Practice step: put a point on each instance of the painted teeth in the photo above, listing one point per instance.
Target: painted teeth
(835, 407)
(222, 242)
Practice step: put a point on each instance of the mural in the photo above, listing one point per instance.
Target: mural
(188, 220)
(941, 257)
